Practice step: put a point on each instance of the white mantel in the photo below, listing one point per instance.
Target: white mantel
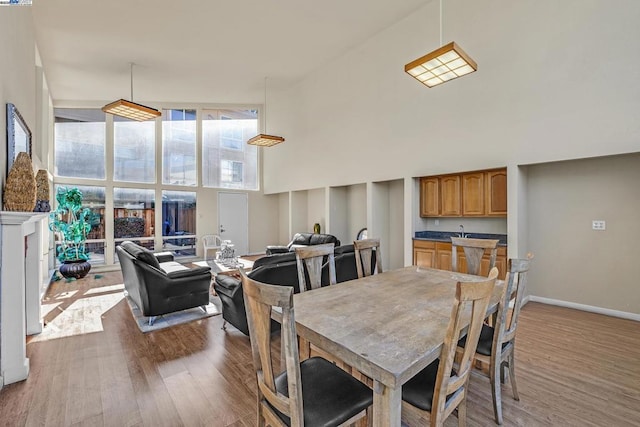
(20, 289)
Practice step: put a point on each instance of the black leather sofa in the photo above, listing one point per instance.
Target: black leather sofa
(304, 239)
(278, 269)
(159, 285)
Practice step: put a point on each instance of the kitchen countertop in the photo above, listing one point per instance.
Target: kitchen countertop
(445, 236)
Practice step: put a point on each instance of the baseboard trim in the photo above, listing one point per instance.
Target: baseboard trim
(583, 307)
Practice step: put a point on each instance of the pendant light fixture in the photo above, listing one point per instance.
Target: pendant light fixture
(129, 109)
(262, 139)
(446, 63)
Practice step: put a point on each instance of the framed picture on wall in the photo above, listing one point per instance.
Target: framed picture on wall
(18, 135)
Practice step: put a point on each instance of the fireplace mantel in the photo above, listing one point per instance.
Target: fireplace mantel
(20, 285)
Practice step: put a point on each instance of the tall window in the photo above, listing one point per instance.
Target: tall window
(134, 216)
(179, 221)
(227, 160)
(179, 147)
(94, 199)
(134, 150)
(79, 143)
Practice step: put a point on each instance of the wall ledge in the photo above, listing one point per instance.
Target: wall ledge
(583, 307)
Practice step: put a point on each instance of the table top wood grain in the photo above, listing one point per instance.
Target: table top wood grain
(389, 325)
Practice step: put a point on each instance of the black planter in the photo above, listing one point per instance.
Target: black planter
(75, 269)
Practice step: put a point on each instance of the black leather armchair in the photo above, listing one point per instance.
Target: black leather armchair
(304, 239)
(158, 285)
(278, 269)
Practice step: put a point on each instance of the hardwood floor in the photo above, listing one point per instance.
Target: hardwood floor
(92, 367)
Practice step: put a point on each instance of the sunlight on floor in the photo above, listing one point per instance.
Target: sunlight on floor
(82, 316)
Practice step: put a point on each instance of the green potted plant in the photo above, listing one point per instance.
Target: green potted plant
(71, 224)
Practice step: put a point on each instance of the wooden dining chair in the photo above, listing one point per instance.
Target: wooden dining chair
(365, 250)
(314, 392)
(474, 250)
(311, 259)
(497, 344)
(441, 387)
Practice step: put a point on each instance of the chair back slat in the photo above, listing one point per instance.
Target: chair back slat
(311, 259)
(471, 302)
(474, 250)
(514, 290)
(365, 250)
(259, 300)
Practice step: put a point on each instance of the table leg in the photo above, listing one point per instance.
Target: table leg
(387, 404)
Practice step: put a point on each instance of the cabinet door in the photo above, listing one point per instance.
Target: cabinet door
(443, 256)
(450, 195)
(429, 197)
(473, 194)
(496, 193)
(424, 258)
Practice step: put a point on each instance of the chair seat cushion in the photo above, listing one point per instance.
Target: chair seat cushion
(171, 266)
(418, 391)
(330, 396)
(485, 342)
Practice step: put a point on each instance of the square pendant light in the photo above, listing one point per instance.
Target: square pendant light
(446, 63)
(131, 110)
(263, 140)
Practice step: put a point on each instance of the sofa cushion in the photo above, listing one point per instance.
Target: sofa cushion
(343, 249)
(300, 239)
(140, 253)
(319, 239)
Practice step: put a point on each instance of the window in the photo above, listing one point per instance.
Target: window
(134, 150)
(227, 160)
(231, 174)
(179, 147)
(79, 143)
(134, 216)
(179, 222)
(93, 198)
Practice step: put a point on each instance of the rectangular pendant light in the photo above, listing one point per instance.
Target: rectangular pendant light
(263, 140)
(131, 110)
(446, 63)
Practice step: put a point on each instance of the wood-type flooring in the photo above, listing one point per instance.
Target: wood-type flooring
(93, 367)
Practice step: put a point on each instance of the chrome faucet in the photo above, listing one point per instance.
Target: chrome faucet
(462, 231)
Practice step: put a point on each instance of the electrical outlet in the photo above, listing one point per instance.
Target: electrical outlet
(436, 222)
(598, 224)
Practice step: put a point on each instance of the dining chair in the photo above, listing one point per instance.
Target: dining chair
(441, 387)
(211, 242)
(365, 250)
(313, 392)
(474, 250)
(497, 344)
(310, 260)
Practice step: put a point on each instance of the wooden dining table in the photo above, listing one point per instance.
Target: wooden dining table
(389, 326)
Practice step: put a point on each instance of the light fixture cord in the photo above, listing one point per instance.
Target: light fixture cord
(265, 104)
(131, 74)
(440, 22)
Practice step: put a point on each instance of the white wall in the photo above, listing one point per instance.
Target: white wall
(316, 210)
(572, 262)
(556, 80)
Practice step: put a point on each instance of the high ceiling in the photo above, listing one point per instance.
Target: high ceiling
(203, 51)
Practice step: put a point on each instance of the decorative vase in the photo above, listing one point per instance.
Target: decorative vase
(42, 192)
(76, 269)
(316, 228)
(20, 189)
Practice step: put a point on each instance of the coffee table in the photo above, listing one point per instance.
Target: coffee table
(218, 267)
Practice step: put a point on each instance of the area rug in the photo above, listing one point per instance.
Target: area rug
(214, 308)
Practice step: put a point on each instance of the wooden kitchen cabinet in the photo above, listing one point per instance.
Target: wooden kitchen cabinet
(496, 191)
(473, 196)
(450, 195)
(424, 253)
(429, 197)
(431, 254)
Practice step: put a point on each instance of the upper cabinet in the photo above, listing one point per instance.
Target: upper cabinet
(479, 194)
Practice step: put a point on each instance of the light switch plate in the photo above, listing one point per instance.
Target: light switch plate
(598, 224)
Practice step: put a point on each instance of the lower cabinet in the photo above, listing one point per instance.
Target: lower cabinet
(430, 254)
